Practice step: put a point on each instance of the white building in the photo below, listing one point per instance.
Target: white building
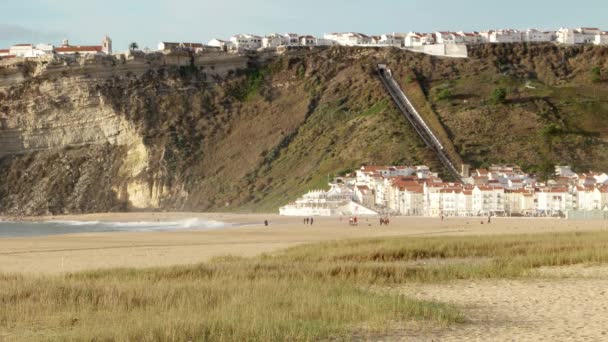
(418, 39)
(393, 39)
(273, 40)
(583, 35)
(601, 39)
(504, 36)
(338, 200)
(536, 36)
(556, 200)
(445, 37)
(67, 49)
(308, 41)
(221, 44)
(349, 38)
(291, 39)
(488, 200)
(246, 42)
(470, 37)
(21, 50)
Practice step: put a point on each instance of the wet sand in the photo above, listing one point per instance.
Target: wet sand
(87, 251)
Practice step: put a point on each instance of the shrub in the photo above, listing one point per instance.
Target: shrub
(596, 74)
(444, 94)
(499, 95)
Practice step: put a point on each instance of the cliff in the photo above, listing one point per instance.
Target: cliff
(223, 132)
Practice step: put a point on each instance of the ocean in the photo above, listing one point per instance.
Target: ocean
(45, 228)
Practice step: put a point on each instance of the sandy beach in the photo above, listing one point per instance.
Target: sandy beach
(560, 304)
(87, 251)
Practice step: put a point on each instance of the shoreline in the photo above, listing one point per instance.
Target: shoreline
(56, 254)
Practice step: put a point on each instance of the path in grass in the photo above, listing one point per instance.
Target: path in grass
(571, 307)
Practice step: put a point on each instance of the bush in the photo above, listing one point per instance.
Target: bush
(499, 95)
(596, 74)
(444, 94)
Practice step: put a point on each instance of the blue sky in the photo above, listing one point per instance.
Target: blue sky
(150, 21)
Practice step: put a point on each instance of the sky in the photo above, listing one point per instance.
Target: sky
(147, 22)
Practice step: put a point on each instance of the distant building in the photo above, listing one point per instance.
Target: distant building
(418, 39)
(170, 47)
(445, 37)
(67, 49)
(246, 42)
(349, 38)
(221, 44)
(308, 41)
(583, 35)
(536, 36)
(601, 38)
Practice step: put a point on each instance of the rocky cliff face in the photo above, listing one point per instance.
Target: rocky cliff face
(189, 133)
(217, 132)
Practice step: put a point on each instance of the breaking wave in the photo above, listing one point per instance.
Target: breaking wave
(41, 228)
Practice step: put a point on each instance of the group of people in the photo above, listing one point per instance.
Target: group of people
(309, 220)
(384, 221)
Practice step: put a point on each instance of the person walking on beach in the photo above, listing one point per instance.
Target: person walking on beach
(306, 220)
(266, 223)
(489, 217)
(311, 221)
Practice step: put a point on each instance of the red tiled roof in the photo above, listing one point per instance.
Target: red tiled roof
(4, 50)
(22, 45)
(96, 48)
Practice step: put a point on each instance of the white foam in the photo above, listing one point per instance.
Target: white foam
(186, 224)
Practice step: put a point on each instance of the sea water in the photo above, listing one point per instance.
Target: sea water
(44, 228)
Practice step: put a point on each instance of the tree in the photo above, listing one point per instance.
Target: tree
(133, 46)
(499, 95)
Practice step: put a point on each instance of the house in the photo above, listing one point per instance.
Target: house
(564, 171)
(394, 39)
(364, 195)
(170, 47)
(5, 52)
(308, 41)
(601, 38)
(246, 42)
(536, 36)
(221, 44)
(291, 39)
(519, 201)
(326, 42)
(583, 35)
(273, 40)
(554, 200)
(418, 39)
(470, 37)
(67, 49)
(487, 200)
(504, 36)
(444, 37)
(349, 38)
(22, 50)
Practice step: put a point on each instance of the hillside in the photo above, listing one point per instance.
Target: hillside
(251, 133)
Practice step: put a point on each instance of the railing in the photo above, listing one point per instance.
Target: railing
(412, 115)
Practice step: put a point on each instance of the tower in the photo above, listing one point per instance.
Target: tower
(106, 45)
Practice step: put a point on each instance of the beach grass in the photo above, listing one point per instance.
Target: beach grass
(311, 292)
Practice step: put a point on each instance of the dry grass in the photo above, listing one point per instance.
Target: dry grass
(310, 292)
